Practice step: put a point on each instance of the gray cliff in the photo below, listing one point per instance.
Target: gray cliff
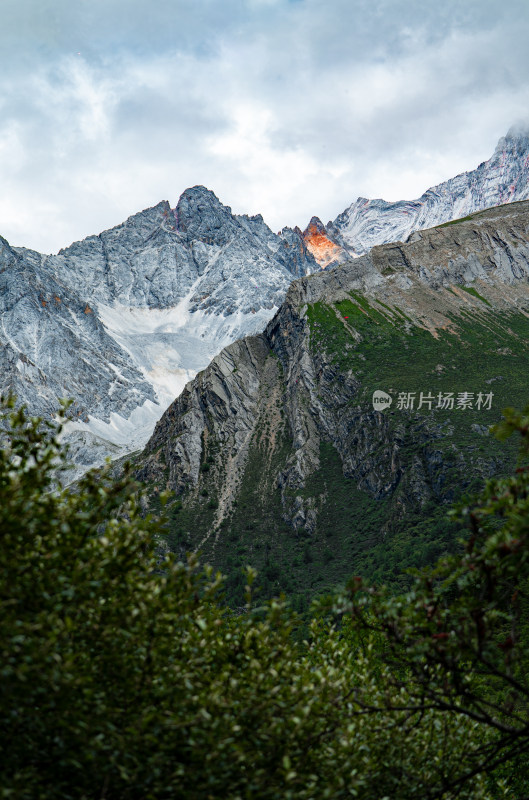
(121, 321)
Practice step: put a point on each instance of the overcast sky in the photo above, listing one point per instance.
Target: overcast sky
(287, 108)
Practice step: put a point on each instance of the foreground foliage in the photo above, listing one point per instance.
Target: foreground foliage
(122, 676)
(459, 641)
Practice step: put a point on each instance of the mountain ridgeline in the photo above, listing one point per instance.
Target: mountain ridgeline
(276, 454)
(504, 178)
(121, 321)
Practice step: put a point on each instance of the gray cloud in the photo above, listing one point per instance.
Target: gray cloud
(284, 108)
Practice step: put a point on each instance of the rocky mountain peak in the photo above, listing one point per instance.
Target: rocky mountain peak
(7, 256)
(200, 215)
(134, 229)
(197, 198)
(277, 449)
(315, 226)
(167, 289)
(122, 320)
(517, 132)
(325, 250)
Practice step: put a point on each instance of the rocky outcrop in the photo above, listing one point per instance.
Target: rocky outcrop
(492, 246)
(326, 251)
(198, 252)
(53, 345)
(121, 321)
(220, 402)
(427, 319)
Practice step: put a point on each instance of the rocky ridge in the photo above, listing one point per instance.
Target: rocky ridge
(504, 178)
(325, 250)
(254, 438)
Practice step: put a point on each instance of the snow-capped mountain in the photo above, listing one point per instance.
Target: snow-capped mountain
(121, 321)
(504, 178)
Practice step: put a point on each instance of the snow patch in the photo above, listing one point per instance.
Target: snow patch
(169, 346)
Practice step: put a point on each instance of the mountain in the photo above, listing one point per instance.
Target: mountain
(121, 321)
(504, 178)
(278, 454)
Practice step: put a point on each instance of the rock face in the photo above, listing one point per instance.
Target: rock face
(199, 252)
(504, 178)
(55, 345)
(122, 320)
(278, 445)
(326, 251)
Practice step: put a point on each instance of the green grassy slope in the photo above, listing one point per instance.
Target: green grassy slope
(482, 352)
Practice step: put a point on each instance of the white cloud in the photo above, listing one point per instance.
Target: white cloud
(285, 108)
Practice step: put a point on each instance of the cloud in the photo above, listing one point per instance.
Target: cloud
(285, 108)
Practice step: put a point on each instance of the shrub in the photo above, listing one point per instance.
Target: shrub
(122, 676)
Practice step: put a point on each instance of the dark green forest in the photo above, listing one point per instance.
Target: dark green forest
(125, 673)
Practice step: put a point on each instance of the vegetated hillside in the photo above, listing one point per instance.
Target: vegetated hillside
(275, 453)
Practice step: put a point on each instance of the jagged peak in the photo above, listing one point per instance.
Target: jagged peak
(315, 226)
(286, 231)
(199, 189)
(199, 211)
(152, 215)
(163, 207)
(517, 138)
(319, 244)
(153, 211)
(199, 193)
(253, 219)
